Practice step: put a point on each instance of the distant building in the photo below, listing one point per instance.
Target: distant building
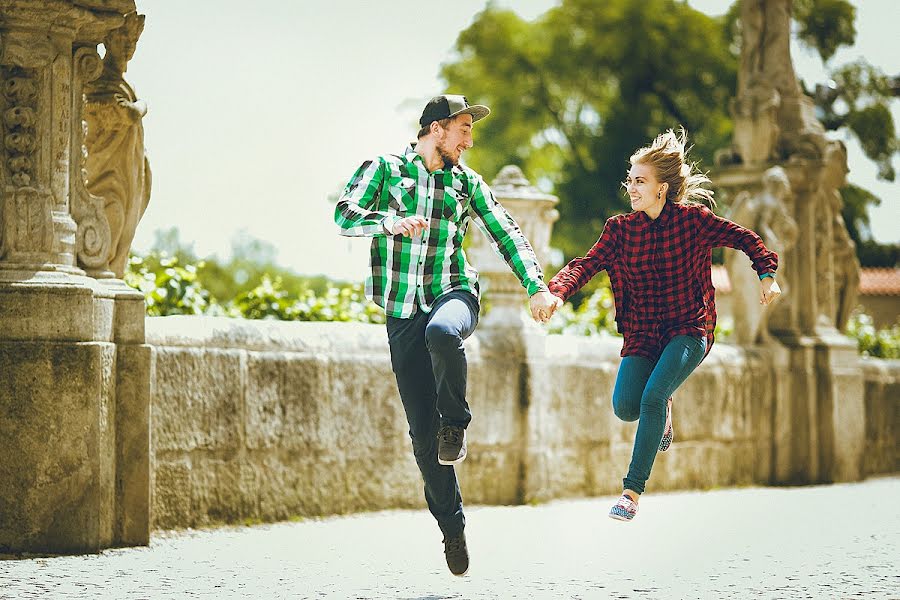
(879, 295)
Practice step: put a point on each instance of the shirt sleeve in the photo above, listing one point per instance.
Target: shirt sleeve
(581, 269)
(360, 211)
(719, 232)
(506, 237)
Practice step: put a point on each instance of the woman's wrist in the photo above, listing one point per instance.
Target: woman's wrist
(769, 274)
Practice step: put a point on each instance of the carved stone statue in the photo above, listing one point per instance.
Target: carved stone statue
(767, 213)
(117, 167)
(845, 264)
(773, 119)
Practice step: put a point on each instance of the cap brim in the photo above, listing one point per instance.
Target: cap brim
(477, 111)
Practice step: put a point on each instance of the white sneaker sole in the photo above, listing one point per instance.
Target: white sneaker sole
(450, 463)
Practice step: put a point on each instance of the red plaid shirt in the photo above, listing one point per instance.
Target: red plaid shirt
(660, 271)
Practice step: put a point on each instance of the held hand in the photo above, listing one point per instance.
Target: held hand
(543, 305)
(410, 226)
(769, 290)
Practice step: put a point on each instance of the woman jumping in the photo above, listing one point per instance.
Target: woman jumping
(659, 261)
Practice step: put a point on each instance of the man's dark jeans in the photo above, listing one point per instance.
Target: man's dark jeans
(429, 361)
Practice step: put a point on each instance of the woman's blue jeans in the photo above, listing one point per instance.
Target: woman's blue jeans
(642, 389)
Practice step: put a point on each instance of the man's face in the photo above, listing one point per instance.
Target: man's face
(455, 139)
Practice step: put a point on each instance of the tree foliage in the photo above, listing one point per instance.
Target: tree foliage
(250, 284)
(855, 211)
(825, 25)
(577, 90)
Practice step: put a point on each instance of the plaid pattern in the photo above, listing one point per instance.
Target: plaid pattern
(410, 272)
(660, 272)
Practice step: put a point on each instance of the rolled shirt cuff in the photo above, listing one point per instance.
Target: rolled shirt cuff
(387, 224)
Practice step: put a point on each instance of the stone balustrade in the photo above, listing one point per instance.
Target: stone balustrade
(266, 420)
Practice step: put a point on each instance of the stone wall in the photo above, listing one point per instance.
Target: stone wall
(882, 403)
(269, 420)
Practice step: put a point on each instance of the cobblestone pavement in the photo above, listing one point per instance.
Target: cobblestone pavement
(838, 541)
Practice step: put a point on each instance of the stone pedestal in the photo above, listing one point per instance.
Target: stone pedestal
(819, 432)
(509, 339)
(533, 210)
(74, 369)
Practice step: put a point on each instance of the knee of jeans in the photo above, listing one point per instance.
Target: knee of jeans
(440, 338)
(423, 445)
(622, 410)
(655, 399)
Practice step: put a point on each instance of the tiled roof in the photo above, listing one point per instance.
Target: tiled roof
(879, 282)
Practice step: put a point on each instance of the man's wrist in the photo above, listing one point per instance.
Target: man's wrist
(387, 225)
(541, 288)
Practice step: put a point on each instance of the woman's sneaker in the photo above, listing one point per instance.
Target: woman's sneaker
(624, 509)
(669, 431)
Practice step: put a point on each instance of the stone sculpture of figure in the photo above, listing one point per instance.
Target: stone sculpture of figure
(844, 260)
(766, 213)
(772, 115)
(117, 167)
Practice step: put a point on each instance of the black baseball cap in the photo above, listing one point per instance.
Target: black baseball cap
(448, 105)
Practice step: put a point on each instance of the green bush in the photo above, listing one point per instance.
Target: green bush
(594, 316)
(174, 289)
(269, 300)
(169, 288)
(878, 343)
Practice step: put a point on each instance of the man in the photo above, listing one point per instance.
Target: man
(416, 206)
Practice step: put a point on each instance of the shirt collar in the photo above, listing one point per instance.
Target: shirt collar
(411, 155)
(663, 217)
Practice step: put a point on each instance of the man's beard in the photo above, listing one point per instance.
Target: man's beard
(449, 160)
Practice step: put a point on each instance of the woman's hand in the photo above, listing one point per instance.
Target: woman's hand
(768, 290)
(543, 305)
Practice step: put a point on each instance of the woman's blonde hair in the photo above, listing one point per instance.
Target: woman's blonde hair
(668, 156)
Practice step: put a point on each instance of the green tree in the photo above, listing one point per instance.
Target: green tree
(251, 260)
(578, 89)
(855, 211)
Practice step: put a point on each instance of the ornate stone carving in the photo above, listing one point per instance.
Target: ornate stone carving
(844, 264)
(767, 212)
(117, 167)
(20, 92)
(773, 119)
(27, 225)
(533, 211)
(93, 238)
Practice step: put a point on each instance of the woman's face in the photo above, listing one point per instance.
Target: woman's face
(646, 193)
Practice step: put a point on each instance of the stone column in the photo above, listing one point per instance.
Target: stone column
(74, 369)
(509, 339)
(818, 422)
(533, 211)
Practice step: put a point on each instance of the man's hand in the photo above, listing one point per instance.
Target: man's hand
(410, 226)
(543, 305)
(769, 290)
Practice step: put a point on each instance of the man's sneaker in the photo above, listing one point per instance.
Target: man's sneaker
(451, 445)
(624, 509)
(669, 431)
(457, 553)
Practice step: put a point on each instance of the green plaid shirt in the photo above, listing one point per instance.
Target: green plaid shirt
(411, 272)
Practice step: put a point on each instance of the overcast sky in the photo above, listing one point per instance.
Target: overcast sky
(259, 111)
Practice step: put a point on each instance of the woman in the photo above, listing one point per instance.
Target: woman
(659, 259)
